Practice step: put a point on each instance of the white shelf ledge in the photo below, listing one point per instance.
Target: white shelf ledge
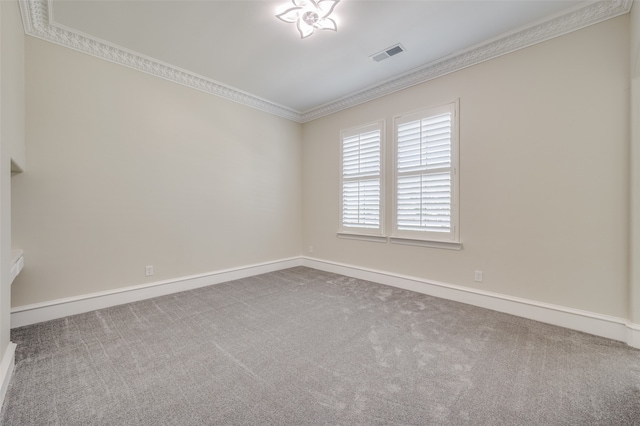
(17, 263)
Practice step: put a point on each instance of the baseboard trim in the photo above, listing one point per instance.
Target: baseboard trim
(587, 322)
(39, 312)
(633, 335)
(6, 370)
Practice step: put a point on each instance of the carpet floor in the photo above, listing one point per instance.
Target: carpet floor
(305, 347)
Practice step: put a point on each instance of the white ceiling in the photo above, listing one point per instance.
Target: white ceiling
(241, 45)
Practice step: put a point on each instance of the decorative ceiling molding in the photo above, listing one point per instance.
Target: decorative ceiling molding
(558, 25)
(36, 20)
(38, 24)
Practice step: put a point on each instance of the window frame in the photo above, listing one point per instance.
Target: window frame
(451, 239)
(357, 232)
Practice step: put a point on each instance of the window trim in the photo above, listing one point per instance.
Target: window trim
(451, 239)
(352, 232)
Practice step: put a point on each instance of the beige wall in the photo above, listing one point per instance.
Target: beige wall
(634, 283)
(544, 174)
(12, 134)
(127, 170)
(635, 39)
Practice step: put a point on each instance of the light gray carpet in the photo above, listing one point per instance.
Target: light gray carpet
(304, 347)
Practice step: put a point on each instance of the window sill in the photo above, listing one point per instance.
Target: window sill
(363, 237)
(448, 245)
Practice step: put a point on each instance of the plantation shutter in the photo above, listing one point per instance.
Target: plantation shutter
(361, 184)
(425, 174)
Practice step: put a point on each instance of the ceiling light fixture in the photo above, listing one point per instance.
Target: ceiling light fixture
(310, 15)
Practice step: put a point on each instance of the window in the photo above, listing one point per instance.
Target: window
(361, 180)
(426, 178)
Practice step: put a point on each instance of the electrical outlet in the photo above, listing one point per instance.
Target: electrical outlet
(310, 249)
(477, 276)
(148, 270)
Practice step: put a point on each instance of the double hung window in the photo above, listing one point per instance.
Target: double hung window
(426, 175)
(361, 180)
(424, 196)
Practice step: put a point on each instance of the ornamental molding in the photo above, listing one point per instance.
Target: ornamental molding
(37, 23)
(555, 26)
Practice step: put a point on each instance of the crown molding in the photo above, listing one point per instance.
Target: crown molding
(554, 26)
(37, 23)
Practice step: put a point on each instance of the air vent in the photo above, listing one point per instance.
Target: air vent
(387, 53)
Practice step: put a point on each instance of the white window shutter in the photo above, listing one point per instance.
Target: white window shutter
(425, 178)
(361, 179)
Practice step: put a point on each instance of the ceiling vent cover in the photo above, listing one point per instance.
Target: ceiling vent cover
(387, 53)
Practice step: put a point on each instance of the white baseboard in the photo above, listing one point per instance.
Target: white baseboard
(39, 312)
(633, 335)
(587, 322)
(6, 369)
